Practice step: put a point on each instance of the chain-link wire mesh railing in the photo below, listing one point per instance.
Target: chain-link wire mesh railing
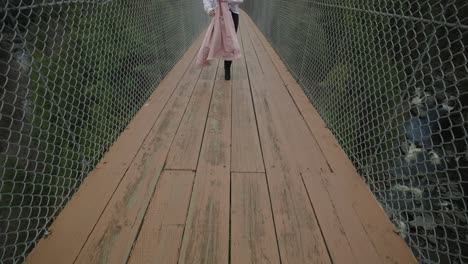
(73, 73)
(390, 78)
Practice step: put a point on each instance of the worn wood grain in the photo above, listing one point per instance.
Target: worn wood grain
(246, 152)
(160, 236)
(346, 239)
(389, 245)
(206, 236)
(298, 233)
(185, 151)
(113, 236)
(336, 233)
(307, 154)
(77, 220)
(253, 237)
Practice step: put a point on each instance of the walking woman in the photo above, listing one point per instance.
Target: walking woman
(210, 8)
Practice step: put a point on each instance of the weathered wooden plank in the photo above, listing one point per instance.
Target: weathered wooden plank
(346, 240)
(160, 236)
(206, 236)
(246, 152)
(298, 233)
(361, 245)
(336, 233)
(389, 246)
(307, 153)
(210, 72)
(77, 220)
(116, 230)
(185, 150)
(239, 70)
(253, 238)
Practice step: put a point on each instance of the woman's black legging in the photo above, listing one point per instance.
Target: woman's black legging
(235, 18)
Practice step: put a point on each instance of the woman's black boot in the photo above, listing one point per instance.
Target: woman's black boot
(227, 70)
(227, 74)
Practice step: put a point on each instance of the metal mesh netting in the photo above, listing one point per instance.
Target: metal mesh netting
(72, 75)
(390, 79)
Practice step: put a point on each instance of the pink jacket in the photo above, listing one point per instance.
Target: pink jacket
(220, 39)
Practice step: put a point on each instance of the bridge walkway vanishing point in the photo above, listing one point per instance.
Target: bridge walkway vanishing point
(214, 171)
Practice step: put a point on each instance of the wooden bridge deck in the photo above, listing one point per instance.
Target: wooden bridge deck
(211, 171)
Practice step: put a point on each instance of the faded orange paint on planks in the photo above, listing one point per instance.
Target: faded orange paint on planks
(333, 222)
(113, 236)
(77, 220)
(253, 238)
(298, 233)
(161, 233)
(206, 236)
(335, 232)
(246, 152)
(185, 151)
(305, 150)
(390, 247)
